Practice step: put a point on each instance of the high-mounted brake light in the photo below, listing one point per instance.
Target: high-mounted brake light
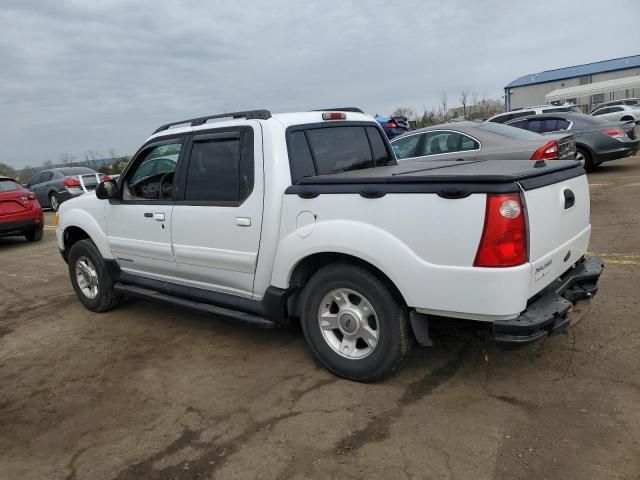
(71, 182)
(504, 237)
(617, 133)
(549, 151)
(334, 116)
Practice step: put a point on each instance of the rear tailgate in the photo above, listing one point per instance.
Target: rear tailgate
(558, 225)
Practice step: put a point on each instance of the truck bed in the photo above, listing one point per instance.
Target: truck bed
(432, 176)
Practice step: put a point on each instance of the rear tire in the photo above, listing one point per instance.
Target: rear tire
(353, 323)
(54, 202)
(585, 159)
(34, 235)
(90, 278)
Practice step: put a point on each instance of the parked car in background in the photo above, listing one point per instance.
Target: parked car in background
(622, 101)
(54, 186)
(526, 111)
(20, 212)
(488, 141)
(393, 126)
(618, 113)
(597, 139)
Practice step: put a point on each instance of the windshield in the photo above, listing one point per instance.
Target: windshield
(508, 131)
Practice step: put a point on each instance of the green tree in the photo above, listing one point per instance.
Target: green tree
(7, 171)
(404, 112)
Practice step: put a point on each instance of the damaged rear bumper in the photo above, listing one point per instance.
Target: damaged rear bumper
(561, 304)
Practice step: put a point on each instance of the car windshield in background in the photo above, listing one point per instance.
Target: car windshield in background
(8, 186)
(509, 132)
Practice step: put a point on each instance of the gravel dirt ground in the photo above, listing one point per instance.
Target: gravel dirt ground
(150, 391)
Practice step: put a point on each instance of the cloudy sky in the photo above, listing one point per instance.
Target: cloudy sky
(100, 75)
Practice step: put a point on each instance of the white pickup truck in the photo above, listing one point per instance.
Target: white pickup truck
(271, 218)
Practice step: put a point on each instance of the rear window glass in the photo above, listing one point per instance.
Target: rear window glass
(508, 131)
(340, 149)
(76, 171)
(380, 153)
(216, 172)
(511, 115)
(8, 186)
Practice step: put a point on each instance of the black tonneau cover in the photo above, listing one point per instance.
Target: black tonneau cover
(449, 178)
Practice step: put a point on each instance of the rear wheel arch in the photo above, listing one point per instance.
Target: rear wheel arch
(308, 266)
(588, 154)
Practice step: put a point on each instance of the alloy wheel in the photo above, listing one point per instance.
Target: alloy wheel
(349, 323)
(87, 277)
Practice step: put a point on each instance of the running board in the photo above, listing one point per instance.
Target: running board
(153, 295)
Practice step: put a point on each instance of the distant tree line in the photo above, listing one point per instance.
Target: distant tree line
(472, 107)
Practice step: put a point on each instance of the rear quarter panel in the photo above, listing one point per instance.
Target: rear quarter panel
(425, 244)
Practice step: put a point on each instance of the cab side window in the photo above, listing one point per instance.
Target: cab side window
(220, 168)
(406, 147)
(152, 176)
(447, 142)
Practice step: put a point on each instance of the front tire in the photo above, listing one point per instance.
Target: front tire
(353, 323)
(90, 278)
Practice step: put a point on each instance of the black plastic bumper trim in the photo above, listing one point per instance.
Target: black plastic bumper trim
(18, 226)
(548, 313)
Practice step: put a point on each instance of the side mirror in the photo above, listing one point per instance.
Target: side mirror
(107, 190)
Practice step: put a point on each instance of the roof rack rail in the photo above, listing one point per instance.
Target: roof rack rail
(249, 115)
(339, 109)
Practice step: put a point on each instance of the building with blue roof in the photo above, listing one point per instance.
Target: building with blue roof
(530, 90)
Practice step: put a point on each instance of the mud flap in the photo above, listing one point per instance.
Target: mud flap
(420, 327)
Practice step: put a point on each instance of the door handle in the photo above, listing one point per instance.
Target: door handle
(148, 215)
(158, 217)
(243, 221)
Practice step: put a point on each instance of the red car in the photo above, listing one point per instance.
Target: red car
(20, 212)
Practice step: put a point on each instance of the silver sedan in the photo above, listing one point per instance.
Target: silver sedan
(487, 141)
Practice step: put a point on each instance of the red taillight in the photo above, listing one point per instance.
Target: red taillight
(106, 178)
(549, 151)
(504, 238)
(28, 197)
(334, 116)
(391, 124)
(615, 133)
(71, 182)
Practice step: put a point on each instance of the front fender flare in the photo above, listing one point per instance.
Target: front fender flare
(83, 220)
